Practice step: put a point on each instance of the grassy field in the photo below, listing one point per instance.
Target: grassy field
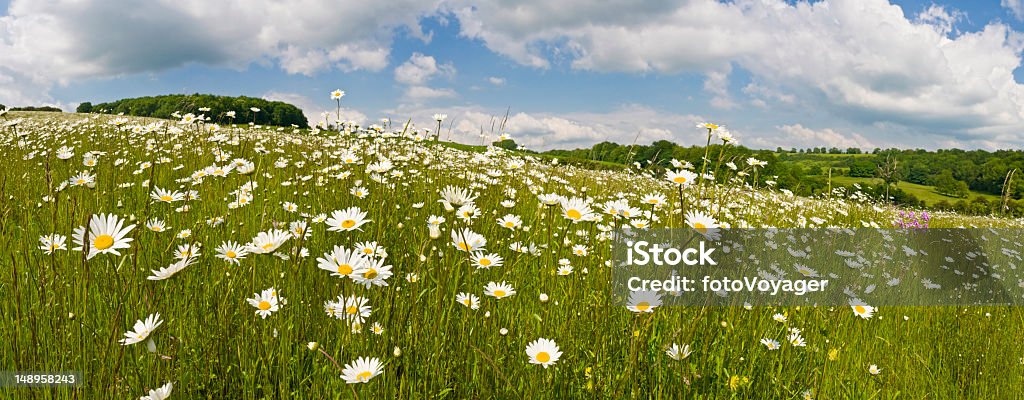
(265, 325)
(922, 192)
(824, 161)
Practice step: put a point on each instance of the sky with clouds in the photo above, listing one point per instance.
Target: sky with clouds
(847, 73)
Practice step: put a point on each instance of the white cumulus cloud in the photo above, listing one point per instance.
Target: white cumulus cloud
(864, 61)
(418, 71)
(1016, 7)
(48, 42)
(420, 68)
(543, 131)
(317, 111)
(796, 135)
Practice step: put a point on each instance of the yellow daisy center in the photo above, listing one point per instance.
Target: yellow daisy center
(463, 246)
(264, 305)
(348, 223)
(509, 224)
(543, 357)
(573, 214)
(364, 376)
(700, 227)
(344, 269)
(230, 254)
(679, 179)
(499, 293)
(351, 309)
(643, 306)
(103, 242)
(166, 198)
(485, 262)
(372, 273)
(860, 309)
(267, 246)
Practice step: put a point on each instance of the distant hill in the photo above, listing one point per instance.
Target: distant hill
(271, 112)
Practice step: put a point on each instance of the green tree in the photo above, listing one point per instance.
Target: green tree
(271, 112)
(34, 108)
(507, 144)
(862, 169)
(85, 107)
(918, 173)
(946, 184)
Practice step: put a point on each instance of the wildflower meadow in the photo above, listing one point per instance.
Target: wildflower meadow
(187, 259)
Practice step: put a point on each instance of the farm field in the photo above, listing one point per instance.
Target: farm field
(250, 262)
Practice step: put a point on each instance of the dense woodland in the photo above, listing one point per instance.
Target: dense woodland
(271, 112)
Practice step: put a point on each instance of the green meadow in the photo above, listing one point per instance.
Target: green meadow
(373, 262)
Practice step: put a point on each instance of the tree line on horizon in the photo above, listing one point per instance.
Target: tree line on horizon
(276, 113)
(953, 173)
(31, 108)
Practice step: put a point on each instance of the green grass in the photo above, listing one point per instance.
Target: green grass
(64, 312)
(922, 192)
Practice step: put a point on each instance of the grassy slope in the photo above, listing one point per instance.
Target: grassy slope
(922, 192)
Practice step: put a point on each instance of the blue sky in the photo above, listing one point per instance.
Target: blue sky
(832, 73)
